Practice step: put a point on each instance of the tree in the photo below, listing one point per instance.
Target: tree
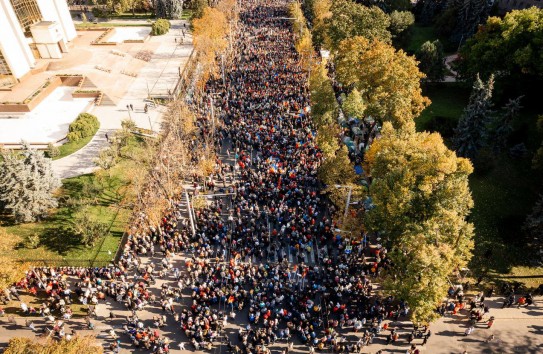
(461, 18)
(432, 60)
(170, 9)
(76, 345)
(27, 184)
(349, 19)
(107, 158)
(88, 228)
(500, 128)
(328, 139)
(400, 23)
(11, 271)
(160, 27)
(354, 106)
(337, 169)
(323, 100)
(427, 10)
(421, 196)
(198, 9)
(320, 10)
(389, 80)
(209, 39)
(470, 134)
(510, 46)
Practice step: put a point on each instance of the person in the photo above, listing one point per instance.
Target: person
(468, 331)
(107, 138)
(145, 108)
(490, 322)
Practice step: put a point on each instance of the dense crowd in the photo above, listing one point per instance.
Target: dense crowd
(268, 254)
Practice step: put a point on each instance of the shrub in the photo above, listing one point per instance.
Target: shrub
(32, 241)
(52, 150)
(83, 126)
(160, 27)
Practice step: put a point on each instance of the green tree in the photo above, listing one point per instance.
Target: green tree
(337, 169)
(160, 27)
(400, 24)
(422, 199)
(88, 228)
(470, 134)
(11, 271)
(389, 80)
(198, 9)
(460, 19)
(511, 46)
(350, 19)
(27, 184)
(432, 60)
(353, 105)
(328, 139)
(501, 126)
(322, 96)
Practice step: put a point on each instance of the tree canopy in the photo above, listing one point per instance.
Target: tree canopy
(350, 19)
(389, 80)
(421, 197)
(27, 184)
(511, 46)
(432, 60)
(470, 134)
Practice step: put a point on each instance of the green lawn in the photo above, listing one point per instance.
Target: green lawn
(73, 146)
(83, 26)
(448, 102)
(502, 197)
(105, 194)
(420, 34)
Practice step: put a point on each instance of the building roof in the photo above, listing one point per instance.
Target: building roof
(44, 24)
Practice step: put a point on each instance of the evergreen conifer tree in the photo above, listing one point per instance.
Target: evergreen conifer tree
(472, 127)
(27, 184)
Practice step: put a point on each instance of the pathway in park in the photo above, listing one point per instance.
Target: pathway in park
(156, 79)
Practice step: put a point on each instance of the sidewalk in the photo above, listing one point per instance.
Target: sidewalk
(157, 77)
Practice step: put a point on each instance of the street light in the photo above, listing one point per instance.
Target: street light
(348, 199)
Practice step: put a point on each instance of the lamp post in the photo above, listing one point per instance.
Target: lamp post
(348, 202)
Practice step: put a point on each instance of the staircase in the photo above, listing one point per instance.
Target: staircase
(88, 85)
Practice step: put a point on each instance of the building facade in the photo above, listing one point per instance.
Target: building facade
(30, 30)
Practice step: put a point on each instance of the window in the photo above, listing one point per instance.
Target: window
(27, 12)
(6, 79)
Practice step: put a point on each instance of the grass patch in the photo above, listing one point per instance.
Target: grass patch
(83, 26)
(73, 146)
(420, 34)
(502, 197)
(105, 195)
(448, 102)
(130, 16)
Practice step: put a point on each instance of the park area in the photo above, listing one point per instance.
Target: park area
(104, 196)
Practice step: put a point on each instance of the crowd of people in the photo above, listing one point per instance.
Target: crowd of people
(267, 254)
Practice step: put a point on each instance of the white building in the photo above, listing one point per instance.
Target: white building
(30, 30)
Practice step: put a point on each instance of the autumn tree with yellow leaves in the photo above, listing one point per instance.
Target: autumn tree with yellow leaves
(422, 199)
(209, 40)
(11, 270)
(76, 345)
(389, 80)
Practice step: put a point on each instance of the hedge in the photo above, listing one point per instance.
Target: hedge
(160, 27)
(83, 126)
